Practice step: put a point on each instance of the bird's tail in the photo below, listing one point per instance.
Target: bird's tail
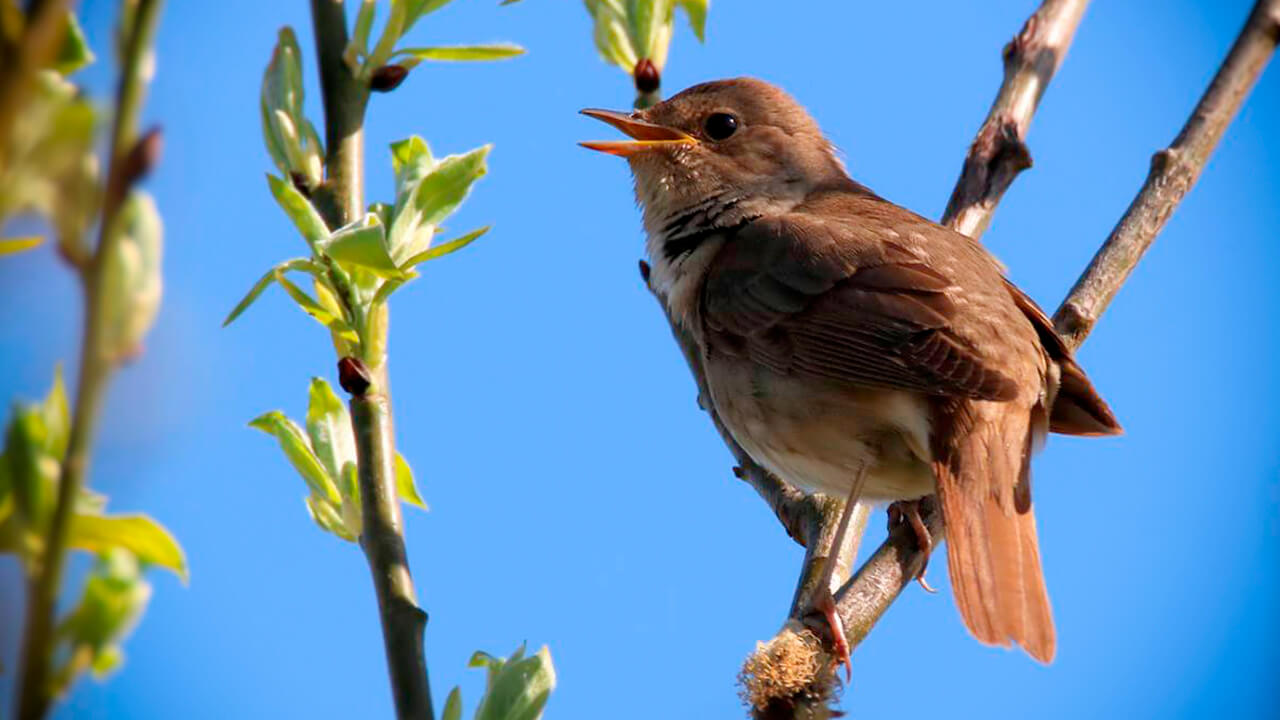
(984, 484)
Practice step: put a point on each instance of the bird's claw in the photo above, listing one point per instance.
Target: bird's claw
(909, 510)
(825, 604)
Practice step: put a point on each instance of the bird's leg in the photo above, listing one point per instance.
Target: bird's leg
(909, 510)
(823, 601)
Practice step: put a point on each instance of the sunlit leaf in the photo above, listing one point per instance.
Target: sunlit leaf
(329, 427)
(697, 12)
(453, 705)
(313, 308)
(519, 688)
(363, 243)
(460, 53)
(57, 416)
(433, 198)
(74, 52)
(445, 248)
(115, 596)
(267, 278)
(300, 211)
(359, 43)
(147, 539)
(299, 453)
(9, 246)
(405, 485)
(324, 514)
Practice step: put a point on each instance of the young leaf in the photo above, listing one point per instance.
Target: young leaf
(299, 453)
(300, 211)
(359, 43)
(9, 246)
(267, 278)
(329, 427)
(432, 199)
(147, 539)
(445, 248)
(115, 596)
(453, 705)
(697, 12)
(74, 52)
(57, 416)
(313, 308)
(460, 53)
(519, 689)
(324, 514)
(405, 485)
(363, 243)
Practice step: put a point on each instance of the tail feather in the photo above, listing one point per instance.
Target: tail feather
(983, 471)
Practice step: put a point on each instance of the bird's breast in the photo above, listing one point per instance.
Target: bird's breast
(817, 434)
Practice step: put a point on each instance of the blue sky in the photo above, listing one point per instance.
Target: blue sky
(579, 497)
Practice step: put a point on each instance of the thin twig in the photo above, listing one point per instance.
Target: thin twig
(999, 152)
(1174, 170)
(96, 366)
(340, 198)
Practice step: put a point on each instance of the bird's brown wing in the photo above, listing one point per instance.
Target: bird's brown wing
(876, 296)
(844, 301)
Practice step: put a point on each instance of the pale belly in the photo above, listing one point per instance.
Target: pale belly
(817, 435)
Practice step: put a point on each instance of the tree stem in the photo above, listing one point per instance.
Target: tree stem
(96, 367)
(340, 199)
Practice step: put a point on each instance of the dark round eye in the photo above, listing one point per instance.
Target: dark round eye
(720, 126)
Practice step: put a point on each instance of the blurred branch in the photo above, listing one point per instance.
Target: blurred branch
(97, 361)
(1173, 171)
(340, 199)
(999, 152)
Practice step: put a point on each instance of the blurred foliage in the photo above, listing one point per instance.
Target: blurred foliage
(115, 593)
(628, 31)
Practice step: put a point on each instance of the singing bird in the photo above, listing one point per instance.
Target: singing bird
(853, 347)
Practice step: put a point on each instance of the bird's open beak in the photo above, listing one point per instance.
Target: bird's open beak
(647, 136)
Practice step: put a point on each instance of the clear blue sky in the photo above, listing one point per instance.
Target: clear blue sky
(579, 497)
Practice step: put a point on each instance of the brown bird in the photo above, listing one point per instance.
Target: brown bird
(853, 347)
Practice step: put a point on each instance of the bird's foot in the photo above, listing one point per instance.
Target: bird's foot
(909, 511)
(824, 604)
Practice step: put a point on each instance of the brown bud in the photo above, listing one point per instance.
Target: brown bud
(353, 376)
(646, 75)
(143, 156)
(301, 183)
(388, 78)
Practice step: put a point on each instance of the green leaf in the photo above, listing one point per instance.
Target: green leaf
(329, 428)
(359, 43)
(363, 243)
(328, 517)
(405, 485)
(9, 246)
(267, 278)
(313, 308)
(114, 597)
(519, 688)
(453, 705)
(300, 211)
(445, 248)
(419, 8)
(460, 53)
(431, 199)
(147, 539)
(74, 52)
(132, 279)
(300, 455)
(57, 416)
(697, 12)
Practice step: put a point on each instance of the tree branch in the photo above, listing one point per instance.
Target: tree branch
(999, 152)
(97, 364)
(1173, 171)
(340, 198)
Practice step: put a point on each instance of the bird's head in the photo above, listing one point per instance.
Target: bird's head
(719, 153)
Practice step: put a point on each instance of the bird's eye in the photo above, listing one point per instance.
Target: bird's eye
(719, 126)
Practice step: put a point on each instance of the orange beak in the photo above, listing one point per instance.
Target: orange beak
(646, 135)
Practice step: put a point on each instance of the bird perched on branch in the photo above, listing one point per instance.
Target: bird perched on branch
(852, 347)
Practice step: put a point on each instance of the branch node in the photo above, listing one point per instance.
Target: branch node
(787, 672)
(353, 376)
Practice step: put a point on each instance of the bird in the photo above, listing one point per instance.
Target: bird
(853, 347)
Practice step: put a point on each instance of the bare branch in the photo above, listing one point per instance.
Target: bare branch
(1173, 171)
(999, 152)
